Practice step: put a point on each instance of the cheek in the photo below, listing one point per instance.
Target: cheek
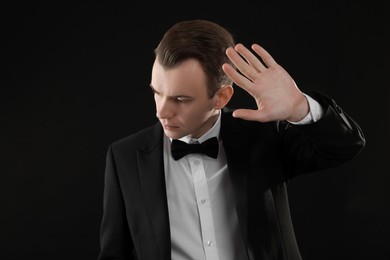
(195, 115)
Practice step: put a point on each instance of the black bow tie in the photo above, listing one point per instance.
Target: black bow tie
(208, 147)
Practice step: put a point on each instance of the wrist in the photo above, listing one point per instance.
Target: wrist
(300, 111)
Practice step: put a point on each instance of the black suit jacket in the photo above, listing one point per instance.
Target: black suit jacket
(261, 158)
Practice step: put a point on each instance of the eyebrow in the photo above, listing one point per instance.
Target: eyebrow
(176, 96)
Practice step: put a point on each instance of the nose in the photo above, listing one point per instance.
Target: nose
(164, 109)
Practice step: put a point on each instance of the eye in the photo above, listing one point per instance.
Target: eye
(183, 99)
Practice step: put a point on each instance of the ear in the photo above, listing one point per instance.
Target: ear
(223, 96)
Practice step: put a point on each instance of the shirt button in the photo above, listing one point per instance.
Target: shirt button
(203, 201)
(196, 162)
(209, 243)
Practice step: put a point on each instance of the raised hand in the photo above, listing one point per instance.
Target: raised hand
(275, 92)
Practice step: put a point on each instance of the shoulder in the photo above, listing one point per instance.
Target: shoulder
(140, 139)
(244, 125)
(251, 132)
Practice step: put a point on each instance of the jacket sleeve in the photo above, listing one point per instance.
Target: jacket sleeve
(333, 140)
(115, 240)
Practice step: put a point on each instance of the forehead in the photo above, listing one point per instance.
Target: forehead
(186, 78)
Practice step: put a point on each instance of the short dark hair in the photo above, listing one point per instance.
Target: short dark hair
(202, 40)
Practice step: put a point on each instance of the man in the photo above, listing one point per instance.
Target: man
(164, 200)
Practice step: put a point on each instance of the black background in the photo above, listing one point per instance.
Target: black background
(75, 78)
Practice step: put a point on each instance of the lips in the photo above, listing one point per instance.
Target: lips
(170, 127)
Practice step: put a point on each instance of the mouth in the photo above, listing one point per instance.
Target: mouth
(170, 127)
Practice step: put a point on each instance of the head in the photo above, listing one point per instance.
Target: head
(189, 84)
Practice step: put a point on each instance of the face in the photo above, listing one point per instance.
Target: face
(182, 103)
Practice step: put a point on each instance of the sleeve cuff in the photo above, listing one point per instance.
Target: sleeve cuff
(315, 112)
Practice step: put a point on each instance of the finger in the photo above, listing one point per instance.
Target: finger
(265, 56)
(250, 58)
(237, 78)
(241, 64)
(250, 115)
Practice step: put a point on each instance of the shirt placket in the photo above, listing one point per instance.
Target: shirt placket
(204, 207)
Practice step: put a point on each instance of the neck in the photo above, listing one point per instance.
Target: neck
(207, 125)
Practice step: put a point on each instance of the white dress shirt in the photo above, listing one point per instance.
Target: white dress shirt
(202, 212)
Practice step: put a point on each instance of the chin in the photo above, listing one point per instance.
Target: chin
(173, 135)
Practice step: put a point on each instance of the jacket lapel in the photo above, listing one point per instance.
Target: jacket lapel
(152, 178)
(235, 143)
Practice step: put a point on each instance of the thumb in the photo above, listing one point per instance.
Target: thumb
(249, 114)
